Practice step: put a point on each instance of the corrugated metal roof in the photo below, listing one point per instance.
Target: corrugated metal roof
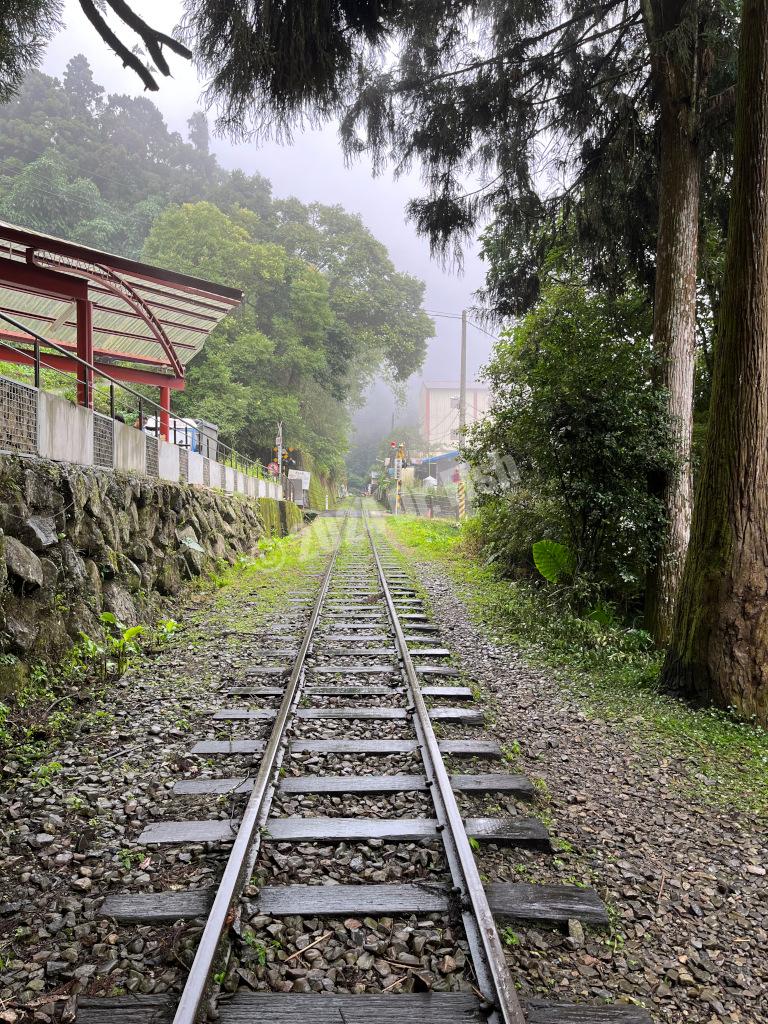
(138, 310)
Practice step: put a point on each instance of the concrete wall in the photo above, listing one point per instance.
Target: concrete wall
(195, 468)
(65, 431)
(130, 449)
(65, 434)
(168, 461)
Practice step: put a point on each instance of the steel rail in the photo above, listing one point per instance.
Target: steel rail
(490, 967)
(247, 842)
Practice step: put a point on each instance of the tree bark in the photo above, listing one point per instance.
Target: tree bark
(674, 311)
(719, 647)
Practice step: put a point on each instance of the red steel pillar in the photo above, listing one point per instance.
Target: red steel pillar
(84, 351)
(165, 413)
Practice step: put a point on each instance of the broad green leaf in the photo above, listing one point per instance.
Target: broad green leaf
(553, 560)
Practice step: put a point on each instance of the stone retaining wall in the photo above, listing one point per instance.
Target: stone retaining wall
(76, 541)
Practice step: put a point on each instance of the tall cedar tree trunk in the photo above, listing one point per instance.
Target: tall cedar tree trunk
(719, 648)
(674, 312)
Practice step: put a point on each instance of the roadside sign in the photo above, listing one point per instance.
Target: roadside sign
(300, 474)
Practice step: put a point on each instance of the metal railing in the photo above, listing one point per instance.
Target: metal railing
(18, 424)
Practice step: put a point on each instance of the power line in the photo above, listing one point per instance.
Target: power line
(483, 330)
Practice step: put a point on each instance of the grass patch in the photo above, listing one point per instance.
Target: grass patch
(611, 671)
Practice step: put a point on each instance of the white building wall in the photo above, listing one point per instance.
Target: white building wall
(439, 413)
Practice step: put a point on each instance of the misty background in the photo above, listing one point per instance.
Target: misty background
(312, 168)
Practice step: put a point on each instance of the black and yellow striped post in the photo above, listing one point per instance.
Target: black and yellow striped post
(462, 492)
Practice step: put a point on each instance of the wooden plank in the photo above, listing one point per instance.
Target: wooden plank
(454, 692)
(470, 748)
(357, 637)
(331, 1008)
(469, 716)
(428, 627)
(549, 904)
(189, 832)
(352, 613)
(356, 652)
(348, 670)
(307, 830)
(494, 782)
(130, 1009)
(357, 625)
(158, 906)
(228, 747)
(351, 713)
(557, 904)
(527, 833)
(353, 784)
(553, 904)
(518, 785)
(243, 715)
(437, 670)
(327, 1008)
(268, 670)
(353, 746)
(351, 691)
(356, 608)
(456, 748)
(340, 900)
(256, 691)
(466, 715)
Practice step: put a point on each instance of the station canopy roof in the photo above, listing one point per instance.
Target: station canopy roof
(141, 314)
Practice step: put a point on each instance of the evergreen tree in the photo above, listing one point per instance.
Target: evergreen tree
(83, 92)
(25, 28)
(719, 648)
(198, 134)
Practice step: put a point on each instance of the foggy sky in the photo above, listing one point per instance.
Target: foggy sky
(311, 168)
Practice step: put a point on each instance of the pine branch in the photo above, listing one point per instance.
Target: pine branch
(129, 59)
(524, 43)
(153, 40)
(720, 106)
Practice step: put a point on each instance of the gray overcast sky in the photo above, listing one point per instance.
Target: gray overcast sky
(312, 168)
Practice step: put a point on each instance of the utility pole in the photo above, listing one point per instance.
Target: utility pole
(463, 374)
(279, 446)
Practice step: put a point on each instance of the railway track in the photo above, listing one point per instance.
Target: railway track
(371, 687)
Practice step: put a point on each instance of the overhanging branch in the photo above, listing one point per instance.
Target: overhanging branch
(152, 39)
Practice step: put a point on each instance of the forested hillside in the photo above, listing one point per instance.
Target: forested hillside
(325, 308)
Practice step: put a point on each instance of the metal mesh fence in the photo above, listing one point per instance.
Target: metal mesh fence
(153, 458)
(184, 465)
(18, 417)
(103, 441)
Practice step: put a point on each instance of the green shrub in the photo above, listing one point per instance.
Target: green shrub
(507, 526)
(577, 417)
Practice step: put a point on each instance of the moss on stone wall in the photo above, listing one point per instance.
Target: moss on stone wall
(318, 486)
(76, 541)
(280, 517)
